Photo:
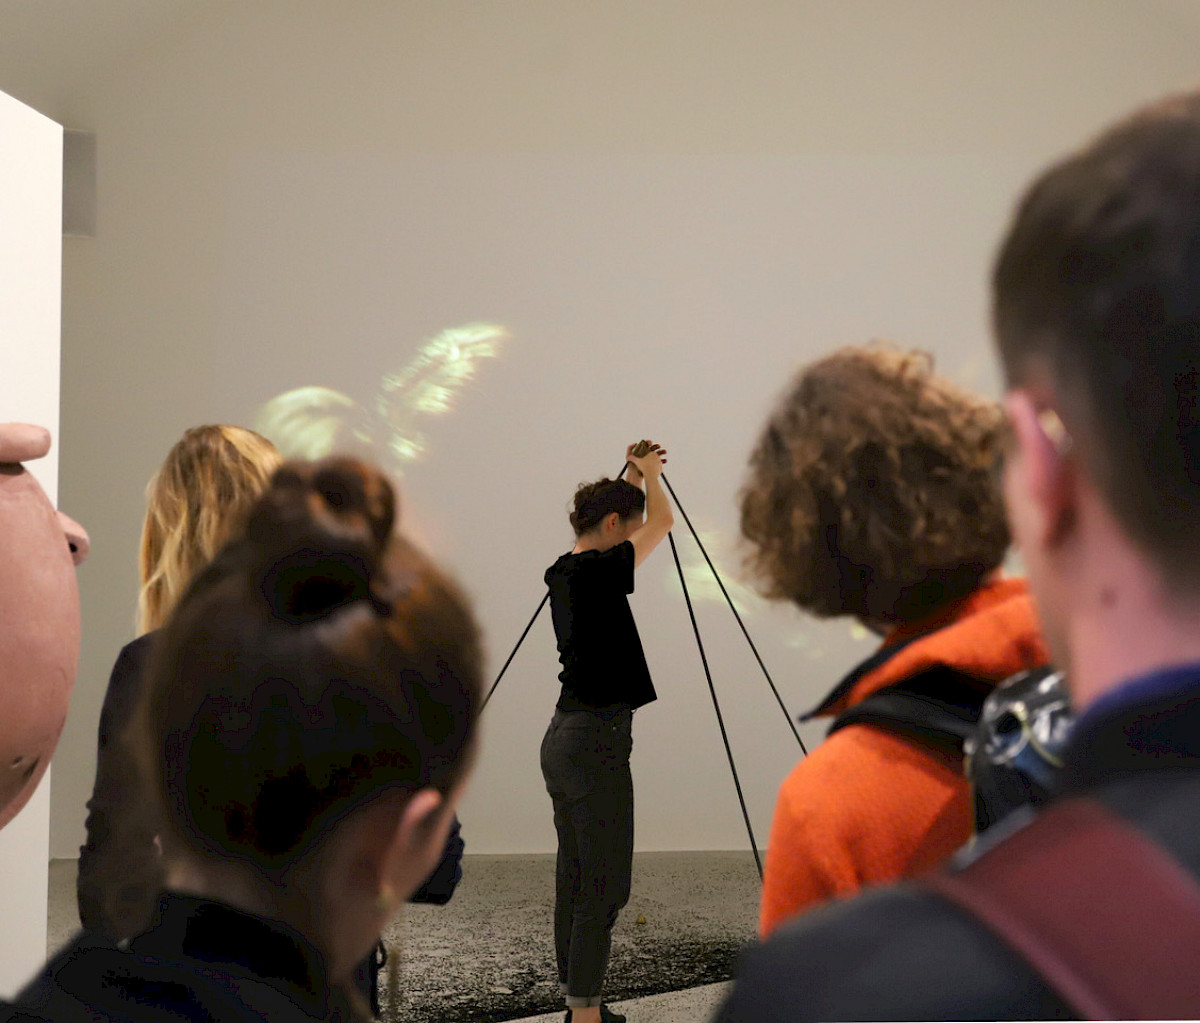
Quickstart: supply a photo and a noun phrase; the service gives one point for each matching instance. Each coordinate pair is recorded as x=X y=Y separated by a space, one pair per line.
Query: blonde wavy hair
x=206 y=486
x=874 y=489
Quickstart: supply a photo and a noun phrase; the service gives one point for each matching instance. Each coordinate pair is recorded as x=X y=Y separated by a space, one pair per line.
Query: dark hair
x=873 y=489
x=1097 y=297
x=595 y=501
x=317 y=663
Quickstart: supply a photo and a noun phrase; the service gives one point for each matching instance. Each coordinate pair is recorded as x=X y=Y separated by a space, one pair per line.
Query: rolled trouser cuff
x=582 y=1001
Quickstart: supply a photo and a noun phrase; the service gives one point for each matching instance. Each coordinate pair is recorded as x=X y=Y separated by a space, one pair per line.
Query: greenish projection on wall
x=312 y=422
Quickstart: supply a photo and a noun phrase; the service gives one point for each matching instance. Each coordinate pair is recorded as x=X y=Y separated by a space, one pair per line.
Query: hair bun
x=319 y=531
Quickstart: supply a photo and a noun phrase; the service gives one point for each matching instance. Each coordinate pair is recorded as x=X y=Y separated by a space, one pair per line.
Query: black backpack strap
x=940 y=708
x=1105 y=915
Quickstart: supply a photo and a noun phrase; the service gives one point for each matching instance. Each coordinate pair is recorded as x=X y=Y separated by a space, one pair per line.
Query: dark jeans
x=585 y=761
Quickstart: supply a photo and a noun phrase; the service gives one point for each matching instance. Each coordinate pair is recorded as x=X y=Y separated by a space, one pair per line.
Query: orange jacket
x=869 y=806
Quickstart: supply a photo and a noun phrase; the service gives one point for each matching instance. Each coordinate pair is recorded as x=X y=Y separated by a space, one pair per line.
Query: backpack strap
x=1105 y=915
x=940 y=707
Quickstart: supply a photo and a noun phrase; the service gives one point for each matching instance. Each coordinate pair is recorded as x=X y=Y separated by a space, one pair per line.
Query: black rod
x=515 y=649
x=716 y=706
x=729 y=600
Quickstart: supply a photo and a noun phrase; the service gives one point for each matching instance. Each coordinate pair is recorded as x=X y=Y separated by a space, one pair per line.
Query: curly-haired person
x=874 y=492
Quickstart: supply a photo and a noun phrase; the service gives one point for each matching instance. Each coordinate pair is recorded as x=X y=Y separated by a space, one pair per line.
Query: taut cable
x=514 y=653
x=703 y=657
x=716 y=706
x=733 y=608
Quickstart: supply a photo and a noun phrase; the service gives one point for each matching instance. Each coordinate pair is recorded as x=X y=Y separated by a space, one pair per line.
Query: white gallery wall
x=668 y=207
x=30 y=273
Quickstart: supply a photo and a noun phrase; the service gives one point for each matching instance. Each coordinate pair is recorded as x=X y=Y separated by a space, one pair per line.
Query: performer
x=585 y=753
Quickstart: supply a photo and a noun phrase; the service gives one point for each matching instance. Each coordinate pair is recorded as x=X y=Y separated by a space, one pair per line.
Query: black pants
x=585 y=761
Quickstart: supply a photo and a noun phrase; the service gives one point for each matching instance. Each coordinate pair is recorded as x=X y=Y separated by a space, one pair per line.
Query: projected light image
x=702 y=586
x=701 y=583
x=311 y=422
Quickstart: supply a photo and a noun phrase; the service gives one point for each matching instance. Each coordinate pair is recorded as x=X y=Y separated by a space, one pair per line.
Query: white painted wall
x=30 y=275
x=669 y=204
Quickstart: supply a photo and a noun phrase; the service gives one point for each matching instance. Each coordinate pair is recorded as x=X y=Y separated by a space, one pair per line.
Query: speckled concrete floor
x=691 y=1005
x=488 y=955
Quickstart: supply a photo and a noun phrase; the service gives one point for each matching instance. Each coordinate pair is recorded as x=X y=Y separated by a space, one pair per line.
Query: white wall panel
x=30 y=276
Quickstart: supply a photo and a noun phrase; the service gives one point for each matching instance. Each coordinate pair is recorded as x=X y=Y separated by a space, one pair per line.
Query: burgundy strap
x=1105 y=915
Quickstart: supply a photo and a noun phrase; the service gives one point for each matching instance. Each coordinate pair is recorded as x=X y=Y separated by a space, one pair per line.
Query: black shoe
x=606 y=1016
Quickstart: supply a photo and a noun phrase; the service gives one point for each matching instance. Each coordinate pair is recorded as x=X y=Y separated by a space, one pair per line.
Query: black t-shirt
x=598 y=643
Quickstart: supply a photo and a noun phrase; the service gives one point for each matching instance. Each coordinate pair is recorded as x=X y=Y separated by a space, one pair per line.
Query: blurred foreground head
x=39 y=612
x=873 y=490
x=314 y=682
x=1097 y=319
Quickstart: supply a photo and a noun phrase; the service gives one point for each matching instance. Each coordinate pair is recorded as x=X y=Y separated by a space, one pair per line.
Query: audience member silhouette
x=307 y=720
x=202 y=492
x=873 y=492
x=1089 y=908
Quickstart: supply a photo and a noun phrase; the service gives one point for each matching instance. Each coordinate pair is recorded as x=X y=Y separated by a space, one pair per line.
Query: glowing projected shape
x=700 y=581
x=312 y=422
x=703 y=586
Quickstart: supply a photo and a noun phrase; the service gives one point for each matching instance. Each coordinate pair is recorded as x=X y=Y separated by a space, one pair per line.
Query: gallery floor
x=488 y=956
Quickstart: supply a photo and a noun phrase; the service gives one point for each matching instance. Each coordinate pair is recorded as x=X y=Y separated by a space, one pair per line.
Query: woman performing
x=585 y=754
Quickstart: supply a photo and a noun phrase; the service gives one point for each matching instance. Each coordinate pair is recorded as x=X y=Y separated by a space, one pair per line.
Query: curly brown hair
x=873 y=490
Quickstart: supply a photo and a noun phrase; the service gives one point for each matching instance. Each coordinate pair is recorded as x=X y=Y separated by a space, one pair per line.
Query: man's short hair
x=873 y=490
x=1097 y=298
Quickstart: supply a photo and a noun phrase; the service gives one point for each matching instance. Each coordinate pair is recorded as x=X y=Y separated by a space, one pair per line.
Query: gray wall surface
x=669 y=206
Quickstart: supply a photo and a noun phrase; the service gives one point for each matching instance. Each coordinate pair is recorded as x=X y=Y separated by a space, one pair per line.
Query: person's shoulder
x=124 y=682
x=861 y=765
x=893 y=953
x=586 y=562
x=134 y=654
x=619 y=558
x=63 y=988
x=92 y=979
x=561 y=567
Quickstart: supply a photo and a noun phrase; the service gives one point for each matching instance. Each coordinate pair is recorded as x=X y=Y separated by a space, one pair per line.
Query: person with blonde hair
x=204 y=488
x=874 y=493
x=209 y=480
x=306 y=724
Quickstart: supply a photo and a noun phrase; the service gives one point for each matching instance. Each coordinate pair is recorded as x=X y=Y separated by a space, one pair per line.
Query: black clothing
x=585 y=761
x=436 y=890
x=439 y=886
x=200 y=960
x=585 y=758
x=905 y=953
x=598 y=643
x=120 y=871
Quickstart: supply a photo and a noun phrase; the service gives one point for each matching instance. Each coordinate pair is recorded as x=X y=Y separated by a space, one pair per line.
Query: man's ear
x=1046 y=471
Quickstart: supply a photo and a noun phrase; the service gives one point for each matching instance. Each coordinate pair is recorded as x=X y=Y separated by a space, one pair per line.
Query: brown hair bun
x=320 y=530
x=318 y=662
